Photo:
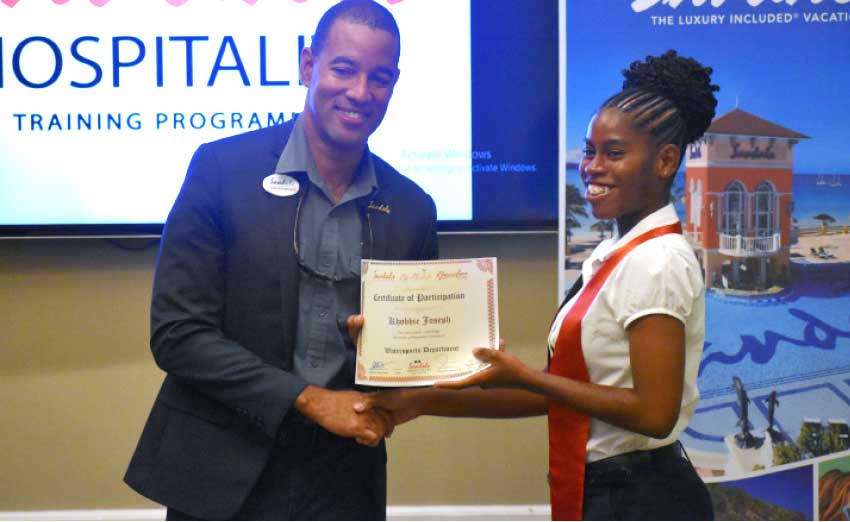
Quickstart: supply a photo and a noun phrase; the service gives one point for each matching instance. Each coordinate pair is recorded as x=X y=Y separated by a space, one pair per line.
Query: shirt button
x=323 y=314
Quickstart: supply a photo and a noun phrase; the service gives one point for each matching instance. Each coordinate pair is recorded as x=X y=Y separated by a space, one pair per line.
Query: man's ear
x=305 y=65
x=666 y=161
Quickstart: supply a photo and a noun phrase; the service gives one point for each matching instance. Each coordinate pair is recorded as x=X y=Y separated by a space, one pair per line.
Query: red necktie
x=568 y=428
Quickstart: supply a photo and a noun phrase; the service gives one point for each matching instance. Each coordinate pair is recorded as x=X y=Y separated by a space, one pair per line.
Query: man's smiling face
x=350 y=83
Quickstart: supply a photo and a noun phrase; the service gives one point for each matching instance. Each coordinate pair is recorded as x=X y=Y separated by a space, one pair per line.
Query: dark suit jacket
x=223 y=319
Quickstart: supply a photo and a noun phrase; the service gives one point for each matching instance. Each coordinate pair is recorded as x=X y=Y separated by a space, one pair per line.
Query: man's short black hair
x=365 y=12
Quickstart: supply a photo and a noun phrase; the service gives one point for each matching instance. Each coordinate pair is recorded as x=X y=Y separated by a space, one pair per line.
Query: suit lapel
x=281 y=212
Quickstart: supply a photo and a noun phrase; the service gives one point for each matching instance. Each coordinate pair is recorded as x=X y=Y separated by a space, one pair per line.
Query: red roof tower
x=738 y=182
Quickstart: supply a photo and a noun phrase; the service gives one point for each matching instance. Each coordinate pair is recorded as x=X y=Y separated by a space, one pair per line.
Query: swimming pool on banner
x=795 y=342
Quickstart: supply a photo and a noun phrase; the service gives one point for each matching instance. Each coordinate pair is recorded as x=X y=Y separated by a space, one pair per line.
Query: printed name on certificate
x=424 y=318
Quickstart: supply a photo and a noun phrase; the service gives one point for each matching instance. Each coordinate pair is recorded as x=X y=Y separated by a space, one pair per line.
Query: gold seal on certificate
x=423 y=318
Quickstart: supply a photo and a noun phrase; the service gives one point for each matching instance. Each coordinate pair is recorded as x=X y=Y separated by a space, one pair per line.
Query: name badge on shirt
x=280 y=185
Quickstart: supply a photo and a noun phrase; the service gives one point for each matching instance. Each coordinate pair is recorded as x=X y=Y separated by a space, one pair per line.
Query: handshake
x=366 y=417
x=369 y=417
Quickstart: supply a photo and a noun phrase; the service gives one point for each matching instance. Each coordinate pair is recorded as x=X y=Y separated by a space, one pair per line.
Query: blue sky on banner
x=789 y=64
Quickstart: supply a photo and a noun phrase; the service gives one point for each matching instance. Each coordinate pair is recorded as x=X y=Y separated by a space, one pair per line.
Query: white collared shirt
x=660 y=276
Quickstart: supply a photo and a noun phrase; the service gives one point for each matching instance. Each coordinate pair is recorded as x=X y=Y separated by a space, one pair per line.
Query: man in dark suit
x=258 y=273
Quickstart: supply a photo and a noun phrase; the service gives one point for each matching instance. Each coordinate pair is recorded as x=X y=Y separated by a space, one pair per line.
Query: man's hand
x=399 y=405
x=334 y=411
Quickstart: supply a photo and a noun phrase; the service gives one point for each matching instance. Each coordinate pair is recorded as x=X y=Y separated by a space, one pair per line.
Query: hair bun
x=683 y=81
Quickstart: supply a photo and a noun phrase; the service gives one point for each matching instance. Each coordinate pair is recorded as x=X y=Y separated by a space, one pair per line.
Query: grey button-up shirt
x=330 y=244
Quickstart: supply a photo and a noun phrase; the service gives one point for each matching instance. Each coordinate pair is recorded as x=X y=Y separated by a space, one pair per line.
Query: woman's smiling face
x=621 y=171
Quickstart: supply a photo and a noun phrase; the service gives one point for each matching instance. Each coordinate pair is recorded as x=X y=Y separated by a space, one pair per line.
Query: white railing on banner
x=746 y=246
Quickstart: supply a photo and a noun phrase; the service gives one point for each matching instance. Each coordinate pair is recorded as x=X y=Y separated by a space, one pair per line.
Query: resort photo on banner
x=764 y=199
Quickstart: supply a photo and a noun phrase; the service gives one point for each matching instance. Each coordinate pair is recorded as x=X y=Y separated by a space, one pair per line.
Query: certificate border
x=485 y=264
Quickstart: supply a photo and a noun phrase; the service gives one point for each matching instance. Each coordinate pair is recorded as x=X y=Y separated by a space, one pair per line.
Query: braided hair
x=669 y=96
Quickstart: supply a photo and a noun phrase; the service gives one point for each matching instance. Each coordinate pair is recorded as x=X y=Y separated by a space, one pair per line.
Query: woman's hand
x=505 y=371
x=355 y=326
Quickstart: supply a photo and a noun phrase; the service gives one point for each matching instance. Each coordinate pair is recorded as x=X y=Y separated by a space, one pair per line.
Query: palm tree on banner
x=606 y=225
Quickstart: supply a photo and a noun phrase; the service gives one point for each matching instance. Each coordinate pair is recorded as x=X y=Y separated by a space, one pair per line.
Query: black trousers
x=315 y=475
x=658 y=484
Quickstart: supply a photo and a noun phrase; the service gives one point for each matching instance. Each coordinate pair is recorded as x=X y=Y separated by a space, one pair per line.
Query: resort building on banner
x=738 y=200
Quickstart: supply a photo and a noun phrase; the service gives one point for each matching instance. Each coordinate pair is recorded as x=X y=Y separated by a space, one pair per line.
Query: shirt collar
x=663 y=216
x=296 y=157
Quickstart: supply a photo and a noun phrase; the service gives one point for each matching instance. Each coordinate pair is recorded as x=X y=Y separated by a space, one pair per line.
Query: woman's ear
x=666 y=161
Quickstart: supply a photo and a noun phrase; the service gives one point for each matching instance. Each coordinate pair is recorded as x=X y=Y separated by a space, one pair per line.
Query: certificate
x=423 y=319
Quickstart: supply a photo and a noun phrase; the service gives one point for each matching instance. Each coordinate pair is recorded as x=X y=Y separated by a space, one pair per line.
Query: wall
x=77 y=380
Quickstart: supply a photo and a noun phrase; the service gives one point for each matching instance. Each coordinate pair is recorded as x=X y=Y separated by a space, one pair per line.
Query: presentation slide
x=104 y=102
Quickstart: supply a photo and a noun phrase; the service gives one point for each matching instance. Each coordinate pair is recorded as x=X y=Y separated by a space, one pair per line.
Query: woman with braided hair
x=625 y=347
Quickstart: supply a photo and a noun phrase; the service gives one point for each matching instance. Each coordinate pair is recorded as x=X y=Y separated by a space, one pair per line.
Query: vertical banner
x=764 y=198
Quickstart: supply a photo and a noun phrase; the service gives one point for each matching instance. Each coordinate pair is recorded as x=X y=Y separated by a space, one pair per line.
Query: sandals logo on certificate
x=423 y=319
